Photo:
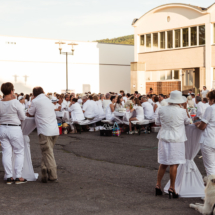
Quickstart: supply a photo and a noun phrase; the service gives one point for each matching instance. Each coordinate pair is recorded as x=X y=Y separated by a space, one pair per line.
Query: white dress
x=171 y=147
x=139 y=112
x=108 y=114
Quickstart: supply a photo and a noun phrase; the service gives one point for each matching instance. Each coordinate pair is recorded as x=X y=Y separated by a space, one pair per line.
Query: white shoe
x=136 y=132
x=131 y=132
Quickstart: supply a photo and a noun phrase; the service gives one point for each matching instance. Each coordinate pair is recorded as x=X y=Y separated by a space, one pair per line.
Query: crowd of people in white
x=170 y=112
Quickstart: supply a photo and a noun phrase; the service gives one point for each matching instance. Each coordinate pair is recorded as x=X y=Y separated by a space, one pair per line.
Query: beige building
x=174 y=49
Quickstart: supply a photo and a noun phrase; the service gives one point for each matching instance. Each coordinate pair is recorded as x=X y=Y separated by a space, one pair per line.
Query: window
x=188 y=78
x=177 y=38
x=202 y=35
x=169 y=39
x=162 y=40
x=185 y=37
x=176 y=74
x=155 y=41
x=142 y=41
x=193 y=35
x=148 y=40
x=169 y=75
x=162 y=75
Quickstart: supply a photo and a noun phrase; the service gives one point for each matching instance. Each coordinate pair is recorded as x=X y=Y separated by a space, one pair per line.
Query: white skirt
x=171 y=153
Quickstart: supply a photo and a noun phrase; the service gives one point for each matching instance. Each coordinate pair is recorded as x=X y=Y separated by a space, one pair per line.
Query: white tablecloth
x=189 y=182
x=28 y=125
x=125 y=116
x=64 y=114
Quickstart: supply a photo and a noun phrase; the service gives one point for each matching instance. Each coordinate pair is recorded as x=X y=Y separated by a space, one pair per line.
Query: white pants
x=208 y=155
x=11 y=139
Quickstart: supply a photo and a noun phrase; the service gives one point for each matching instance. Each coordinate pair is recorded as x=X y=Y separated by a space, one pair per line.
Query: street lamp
x=66 y=53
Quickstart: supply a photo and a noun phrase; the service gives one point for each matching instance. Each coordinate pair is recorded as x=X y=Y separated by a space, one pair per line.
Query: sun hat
x=176 y=97
x=20 y=98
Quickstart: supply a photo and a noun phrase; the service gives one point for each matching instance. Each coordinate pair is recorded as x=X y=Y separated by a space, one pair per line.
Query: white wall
x=40 y=61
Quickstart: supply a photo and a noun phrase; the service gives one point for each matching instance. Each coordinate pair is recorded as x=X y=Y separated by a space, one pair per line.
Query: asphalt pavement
x=98 y=176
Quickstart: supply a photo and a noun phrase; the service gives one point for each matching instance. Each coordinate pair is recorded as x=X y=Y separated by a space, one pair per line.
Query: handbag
x=116 y=130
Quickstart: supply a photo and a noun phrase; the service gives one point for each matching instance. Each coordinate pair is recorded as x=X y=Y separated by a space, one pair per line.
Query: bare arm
x=112 y=107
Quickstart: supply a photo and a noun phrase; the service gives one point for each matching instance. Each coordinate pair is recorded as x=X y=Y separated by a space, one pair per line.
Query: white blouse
x=11 y=112
x=172 y=119
x=76 y=112
x=208 y=136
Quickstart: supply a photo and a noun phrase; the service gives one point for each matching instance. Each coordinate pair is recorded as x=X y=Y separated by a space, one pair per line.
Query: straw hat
x=176 y=97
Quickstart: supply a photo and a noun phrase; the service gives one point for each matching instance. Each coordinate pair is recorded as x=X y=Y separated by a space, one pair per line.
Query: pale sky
x=83 y=20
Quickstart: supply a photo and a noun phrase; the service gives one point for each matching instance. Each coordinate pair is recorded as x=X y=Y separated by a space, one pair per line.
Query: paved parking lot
x=98 y=175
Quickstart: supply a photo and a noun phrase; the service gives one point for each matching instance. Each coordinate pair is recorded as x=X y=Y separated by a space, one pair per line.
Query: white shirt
x=125 y=98
x=100 y=109
x=208 y=135
x=148 y=110
x=204 y=93
x=45 y=117
x=150 y=101
x=11 y=112
x=27 y=104
x=66 y=104
x=76 y=112
x=56 y=106
x=172 y=119
x=80 y=101
x=194 y=100
x=201 y=107
x=105 y=103
x=89 y=108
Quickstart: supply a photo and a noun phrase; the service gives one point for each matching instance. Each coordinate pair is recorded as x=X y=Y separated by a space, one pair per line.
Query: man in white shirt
x=204 y=92
x=88 y=108
x=150 y=100
x=66 y=101
x=148 y=108
x=47 y=129
x=106 y=101
x=205 y=102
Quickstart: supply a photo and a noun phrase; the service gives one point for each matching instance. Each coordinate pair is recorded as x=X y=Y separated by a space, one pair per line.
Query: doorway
x=190 y=80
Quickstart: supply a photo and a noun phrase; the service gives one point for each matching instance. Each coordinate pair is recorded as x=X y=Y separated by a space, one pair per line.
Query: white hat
x=20 y=98
x=176 y=97
x=185 y=99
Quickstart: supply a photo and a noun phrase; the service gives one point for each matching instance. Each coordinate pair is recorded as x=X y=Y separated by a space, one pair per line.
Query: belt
x=10 y=125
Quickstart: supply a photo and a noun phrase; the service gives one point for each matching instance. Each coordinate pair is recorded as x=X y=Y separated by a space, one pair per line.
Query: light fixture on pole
x=66 y=53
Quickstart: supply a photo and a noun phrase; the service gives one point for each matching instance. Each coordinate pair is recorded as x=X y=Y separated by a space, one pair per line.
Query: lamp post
x=66 y=53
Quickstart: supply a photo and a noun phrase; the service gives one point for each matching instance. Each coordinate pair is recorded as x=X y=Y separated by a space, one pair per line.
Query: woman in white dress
x=11 y=137
x=76 y=111
x=119 y=103
x=156 y=103
x=207 y=142
x=110 y=109
x=172 y=137
x=139 y=114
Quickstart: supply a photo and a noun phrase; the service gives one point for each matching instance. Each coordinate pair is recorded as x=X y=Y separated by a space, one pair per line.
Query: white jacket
x=172 y=119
